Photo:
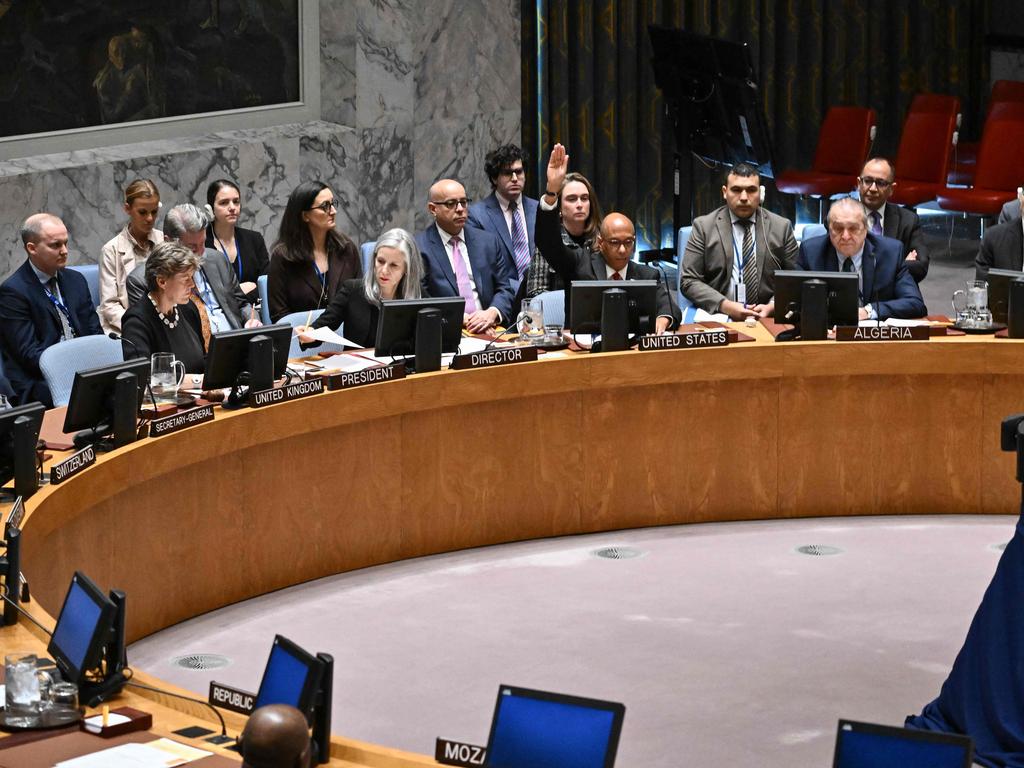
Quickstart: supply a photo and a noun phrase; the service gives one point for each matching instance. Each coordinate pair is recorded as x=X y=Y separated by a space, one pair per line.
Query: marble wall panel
x=338 y=43
x=385 y=64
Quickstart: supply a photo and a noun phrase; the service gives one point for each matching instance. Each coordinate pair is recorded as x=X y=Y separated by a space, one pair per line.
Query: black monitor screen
x=588 y=298
x=999 y=292
x=865 y=745
x=538 y=729
x=843 y=295
x=92 y=393
x=291 y=677
x=82 y=628
x=396 y=331
x=229 y=353
x=34 y=412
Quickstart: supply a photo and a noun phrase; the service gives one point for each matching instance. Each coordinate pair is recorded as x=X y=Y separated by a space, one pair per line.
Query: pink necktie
x=462 y=277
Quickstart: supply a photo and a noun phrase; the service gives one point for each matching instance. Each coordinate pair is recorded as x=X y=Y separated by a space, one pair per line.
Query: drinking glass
x=27 y=690
x=531 y=321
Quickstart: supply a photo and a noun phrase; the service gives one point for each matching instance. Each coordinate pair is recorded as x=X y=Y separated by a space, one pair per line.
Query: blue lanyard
x=319 y=274
x=238 y=257
x=57 y=303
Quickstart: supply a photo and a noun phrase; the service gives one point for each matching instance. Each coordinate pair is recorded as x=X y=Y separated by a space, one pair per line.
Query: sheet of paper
x=446 y=359
x=162 y=753
x=94 y=724
x=469 y=344
x=329 y=336
x=700 y=316
x=897 y=322
x=347 y=363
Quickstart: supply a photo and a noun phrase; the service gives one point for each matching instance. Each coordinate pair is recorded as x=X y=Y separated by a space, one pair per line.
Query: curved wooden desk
x=260 y=500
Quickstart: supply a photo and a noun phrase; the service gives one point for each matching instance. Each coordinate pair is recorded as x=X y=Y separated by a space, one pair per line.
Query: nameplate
x=456 y=753
x=297 y=391
x=366 y=376
x=491 y=357
x=716 y=338
x=231 y=699
x=179 y=421
x=883 y=333
x=72 y=465
x=16 y=514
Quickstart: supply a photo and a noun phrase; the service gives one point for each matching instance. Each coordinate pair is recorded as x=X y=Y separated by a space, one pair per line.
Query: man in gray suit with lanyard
x=733 y=252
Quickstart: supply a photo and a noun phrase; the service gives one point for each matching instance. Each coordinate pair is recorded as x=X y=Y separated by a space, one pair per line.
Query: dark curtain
x=588 y=83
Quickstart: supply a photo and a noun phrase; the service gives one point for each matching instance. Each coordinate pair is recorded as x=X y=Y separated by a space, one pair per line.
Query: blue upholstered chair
x=60 y=362
x=261 y=286
x=366 y=254
x=813 y=230
x=91 y=273
x=554 y=307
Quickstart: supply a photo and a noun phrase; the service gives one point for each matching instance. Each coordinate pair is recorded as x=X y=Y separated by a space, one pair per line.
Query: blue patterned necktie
x=519 y=243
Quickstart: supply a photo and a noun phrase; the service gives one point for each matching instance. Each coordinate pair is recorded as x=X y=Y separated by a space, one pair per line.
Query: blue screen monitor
x=83 y=627
x=538 y=729
x=292 y=676
x=866 y=745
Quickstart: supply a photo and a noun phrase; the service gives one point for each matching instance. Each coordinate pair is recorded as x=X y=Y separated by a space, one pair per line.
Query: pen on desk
x=106 y=715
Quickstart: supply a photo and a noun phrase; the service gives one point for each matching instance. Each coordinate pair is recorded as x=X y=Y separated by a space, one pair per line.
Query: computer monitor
x=999 y=292
x=92 y=395
x=229 y=353
x=540 y=729
x=396 y=330
x=588 y=299
x=843 y=295
x=292 y=676
x=18 y=447
x=84 y=626
x=866 y=745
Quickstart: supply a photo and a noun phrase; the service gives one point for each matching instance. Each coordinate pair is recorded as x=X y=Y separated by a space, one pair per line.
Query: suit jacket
x=487 y=215
x=1009 y=212
x=493 y=272
x=887 y=283
x=351 y=307
x=1001 y=248
x=706 y=272
x=223 y=282
x=252 y=252
x=293 y=286
x=904 y=225
x=117 y=259
x=145 y=333
x=29 y=323
x=574 y=263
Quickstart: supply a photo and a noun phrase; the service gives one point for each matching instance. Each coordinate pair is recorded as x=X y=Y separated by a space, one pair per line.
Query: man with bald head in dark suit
x=1001 y=248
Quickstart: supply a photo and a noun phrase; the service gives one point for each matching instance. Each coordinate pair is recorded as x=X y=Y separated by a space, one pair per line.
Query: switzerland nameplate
x=312 y=386
x=179 y=421
x=375 y=375
x=883 y=333
x=489 y=357
x=72 y=465
x=716 y=338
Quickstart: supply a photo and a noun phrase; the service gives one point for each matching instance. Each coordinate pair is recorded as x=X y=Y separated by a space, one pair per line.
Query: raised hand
x=558 y=166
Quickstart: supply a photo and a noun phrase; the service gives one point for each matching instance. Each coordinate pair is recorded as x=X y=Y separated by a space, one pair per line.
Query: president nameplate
x=375 y=375
x=296 y=391
x=72 y=465
x=719 y=337
x=491 y=357
x=883 y=333
x=180 y=421
x=231 y=699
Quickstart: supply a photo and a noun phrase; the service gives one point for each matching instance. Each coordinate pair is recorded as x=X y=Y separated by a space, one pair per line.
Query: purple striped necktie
x=519 y=242
x=462 y=276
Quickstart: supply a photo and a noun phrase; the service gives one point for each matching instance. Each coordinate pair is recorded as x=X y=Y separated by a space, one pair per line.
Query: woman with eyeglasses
x=311 y=259
x=244 y=249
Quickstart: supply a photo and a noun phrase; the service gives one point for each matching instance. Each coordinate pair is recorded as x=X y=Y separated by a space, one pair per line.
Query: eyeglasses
x=628 y=243
x=512 y=172
x=867 y=181
x=453 y=204
x=325 y=206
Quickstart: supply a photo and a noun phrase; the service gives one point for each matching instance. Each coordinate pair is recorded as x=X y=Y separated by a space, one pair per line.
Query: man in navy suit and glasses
x=41 y=304
x=464 y=261
x=887 y=289
x=507 y=212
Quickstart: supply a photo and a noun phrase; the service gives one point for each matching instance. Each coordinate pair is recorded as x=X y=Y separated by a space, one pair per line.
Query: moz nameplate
x=883 y=333
x=491 y=357
x=716 y=338
x=297 y=391
x=231 y=699
x=180 y=421
x=72 y=465
x=457 y=753
x=366 y=376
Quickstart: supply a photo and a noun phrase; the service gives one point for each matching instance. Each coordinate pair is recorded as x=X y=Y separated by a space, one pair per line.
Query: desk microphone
x=515 y=326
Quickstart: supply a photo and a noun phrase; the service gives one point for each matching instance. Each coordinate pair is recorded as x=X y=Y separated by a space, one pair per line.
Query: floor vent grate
x=819 y=550
x=618 y=553
x=201 y=661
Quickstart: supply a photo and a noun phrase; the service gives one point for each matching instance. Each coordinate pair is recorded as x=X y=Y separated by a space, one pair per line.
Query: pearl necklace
x=168 y=323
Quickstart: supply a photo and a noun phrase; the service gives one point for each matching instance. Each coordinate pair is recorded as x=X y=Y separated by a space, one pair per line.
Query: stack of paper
x=162 y=753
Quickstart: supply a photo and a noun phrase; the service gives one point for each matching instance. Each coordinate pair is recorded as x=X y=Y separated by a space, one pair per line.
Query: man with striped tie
x=507 y=212
x=876 y=183
x=733 y=252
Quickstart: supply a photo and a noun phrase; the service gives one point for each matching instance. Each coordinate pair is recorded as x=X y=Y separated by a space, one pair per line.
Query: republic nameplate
x=715 y=338
x=489 y=357
x=232 y=699
x=312 y=386
x=72 y=465
x=883 y=333
x=366 y=376
x=179 y=421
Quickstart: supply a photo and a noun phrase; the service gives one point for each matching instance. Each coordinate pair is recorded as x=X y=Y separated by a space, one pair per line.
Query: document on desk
x=347 y=363
x=894 y=322
x=329 y=336
x=162 y=753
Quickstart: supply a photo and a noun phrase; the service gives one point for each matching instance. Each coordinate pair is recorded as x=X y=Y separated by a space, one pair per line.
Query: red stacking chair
x=962 y=171
x=843 y=145
x=1000 y=165
x=922 y=160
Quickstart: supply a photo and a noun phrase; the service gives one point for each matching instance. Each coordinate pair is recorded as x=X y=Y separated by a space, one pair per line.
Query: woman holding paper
x=396 y=272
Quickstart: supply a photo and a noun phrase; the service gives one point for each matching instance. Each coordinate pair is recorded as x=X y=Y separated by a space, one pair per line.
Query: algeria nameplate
x=883 y=333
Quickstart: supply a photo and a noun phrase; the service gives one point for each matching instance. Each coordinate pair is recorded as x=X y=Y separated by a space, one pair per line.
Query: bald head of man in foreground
x=276 y=736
